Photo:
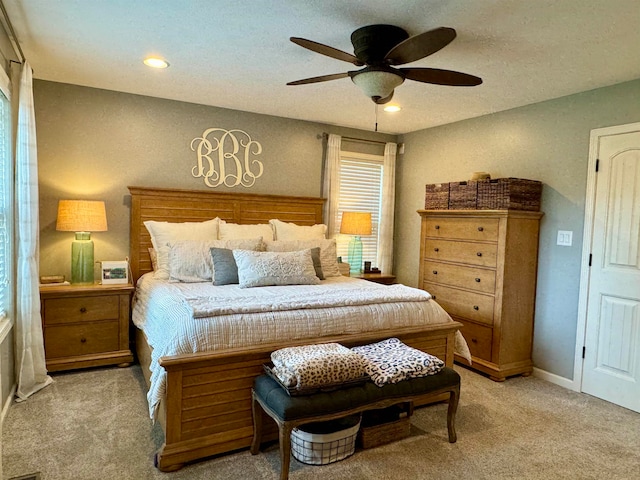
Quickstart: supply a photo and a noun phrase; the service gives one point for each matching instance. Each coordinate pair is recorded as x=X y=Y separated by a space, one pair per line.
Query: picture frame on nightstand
x=115 y=272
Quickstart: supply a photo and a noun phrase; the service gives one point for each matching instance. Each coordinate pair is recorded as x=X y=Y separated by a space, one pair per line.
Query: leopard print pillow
x=317 y=365
x=391 y=361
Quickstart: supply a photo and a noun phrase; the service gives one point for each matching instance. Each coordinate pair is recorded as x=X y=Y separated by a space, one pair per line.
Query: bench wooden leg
x=256 y=411
x=284 y=431
x=454 y=397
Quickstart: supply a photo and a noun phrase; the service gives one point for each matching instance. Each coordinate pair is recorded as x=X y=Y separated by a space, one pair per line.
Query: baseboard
x=5 y=407
x=556 y=379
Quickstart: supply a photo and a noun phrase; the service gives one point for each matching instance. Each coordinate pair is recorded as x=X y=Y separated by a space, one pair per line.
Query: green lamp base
x=354 y=256
x=82 y=259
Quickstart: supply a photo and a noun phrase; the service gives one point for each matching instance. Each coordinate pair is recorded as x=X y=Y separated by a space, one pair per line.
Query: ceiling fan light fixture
x=377 y=84
x=155 y=62
x=392 y=108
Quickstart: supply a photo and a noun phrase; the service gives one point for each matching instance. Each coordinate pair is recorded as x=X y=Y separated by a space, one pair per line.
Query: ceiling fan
x=380 y=47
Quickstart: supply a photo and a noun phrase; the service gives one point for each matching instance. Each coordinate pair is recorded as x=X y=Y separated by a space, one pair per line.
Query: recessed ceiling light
x=392 y=108
x=156 y=62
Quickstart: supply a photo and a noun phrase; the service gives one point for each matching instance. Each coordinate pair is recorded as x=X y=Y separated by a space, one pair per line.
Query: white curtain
x=31 y=368
x=385 y=229
x=331 y=187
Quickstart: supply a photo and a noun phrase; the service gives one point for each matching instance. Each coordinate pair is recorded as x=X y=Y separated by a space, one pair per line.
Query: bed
x=204 y=401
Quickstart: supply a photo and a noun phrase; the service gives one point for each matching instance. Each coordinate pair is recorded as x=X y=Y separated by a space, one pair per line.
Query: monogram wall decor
x=227 y=157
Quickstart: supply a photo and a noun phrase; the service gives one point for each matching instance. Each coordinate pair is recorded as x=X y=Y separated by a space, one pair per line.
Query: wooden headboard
x=174 y=205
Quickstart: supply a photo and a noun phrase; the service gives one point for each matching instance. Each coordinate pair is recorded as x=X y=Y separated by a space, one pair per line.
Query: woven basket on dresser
x=509 y=194
x=436 y=196
x=463 y=195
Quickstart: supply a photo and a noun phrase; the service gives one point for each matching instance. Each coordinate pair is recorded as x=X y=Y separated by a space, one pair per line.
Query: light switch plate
x=565 y=238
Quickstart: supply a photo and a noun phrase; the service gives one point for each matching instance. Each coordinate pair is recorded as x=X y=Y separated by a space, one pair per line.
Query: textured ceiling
x=237 y=54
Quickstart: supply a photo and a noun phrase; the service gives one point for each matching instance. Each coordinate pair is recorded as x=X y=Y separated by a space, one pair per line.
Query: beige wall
x=548 y=141
x=93 y=143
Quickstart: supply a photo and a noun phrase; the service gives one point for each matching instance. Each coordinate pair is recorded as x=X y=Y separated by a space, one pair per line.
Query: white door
x=611 y=368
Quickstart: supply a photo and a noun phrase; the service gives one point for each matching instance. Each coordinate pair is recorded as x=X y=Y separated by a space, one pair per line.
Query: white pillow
x=235 y=230
x=259 y=269
x=165 y=233
x=190 y=260
x=291 y=231
x=328 y=252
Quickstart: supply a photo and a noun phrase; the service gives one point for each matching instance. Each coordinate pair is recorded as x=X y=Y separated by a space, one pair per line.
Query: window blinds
x=360 y=191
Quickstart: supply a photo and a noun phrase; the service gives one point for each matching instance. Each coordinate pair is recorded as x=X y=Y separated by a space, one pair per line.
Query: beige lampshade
x=356 y=223
x=81 y=216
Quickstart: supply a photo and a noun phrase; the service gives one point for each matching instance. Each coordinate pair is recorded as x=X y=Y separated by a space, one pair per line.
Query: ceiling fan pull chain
x=376 y=110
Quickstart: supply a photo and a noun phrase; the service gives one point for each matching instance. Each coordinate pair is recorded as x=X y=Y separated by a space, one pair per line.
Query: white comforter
x=180 y=318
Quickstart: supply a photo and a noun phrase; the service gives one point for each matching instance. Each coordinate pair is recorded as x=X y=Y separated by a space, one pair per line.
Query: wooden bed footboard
x=207 y=408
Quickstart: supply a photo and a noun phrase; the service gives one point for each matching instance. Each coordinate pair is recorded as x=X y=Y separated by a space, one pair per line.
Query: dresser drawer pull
x=433 y=296
x=83 y=340
x=437 y=227
x=476 y=307
x=435 y=272
x=436 y=249
x=83 y=310
x=474 y=340
x=480 y=229
x=478 y=280
x=479 y=254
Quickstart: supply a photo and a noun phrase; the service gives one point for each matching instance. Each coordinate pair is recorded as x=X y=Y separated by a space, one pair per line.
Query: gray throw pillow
x=315 y=256
x=224 y=266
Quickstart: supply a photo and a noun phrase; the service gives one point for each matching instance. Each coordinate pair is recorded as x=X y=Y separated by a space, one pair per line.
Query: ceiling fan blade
x=326 y=50
x=441 y=77
x=420 y=46
x=322 y=78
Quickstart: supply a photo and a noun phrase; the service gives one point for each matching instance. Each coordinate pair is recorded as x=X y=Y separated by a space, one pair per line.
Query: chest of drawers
x=86 y=326
x=481 y=267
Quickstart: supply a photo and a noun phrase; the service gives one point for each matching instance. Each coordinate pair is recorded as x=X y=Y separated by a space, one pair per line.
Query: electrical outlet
x=565 y=238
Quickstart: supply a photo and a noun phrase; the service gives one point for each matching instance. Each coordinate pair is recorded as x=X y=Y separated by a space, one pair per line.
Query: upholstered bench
x=292 y=411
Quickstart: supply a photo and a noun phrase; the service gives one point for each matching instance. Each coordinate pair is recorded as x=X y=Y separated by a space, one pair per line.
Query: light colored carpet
x=92 y=425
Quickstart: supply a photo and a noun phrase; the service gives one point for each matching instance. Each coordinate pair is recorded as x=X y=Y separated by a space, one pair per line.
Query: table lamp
x=356 y=224
x=81 y=217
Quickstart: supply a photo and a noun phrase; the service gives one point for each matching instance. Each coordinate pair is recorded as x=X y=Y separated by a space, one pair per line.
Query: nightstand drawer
x=483 y=254
x=479 y=279
x=74 y=340
x=478 y=338
x=461 y=303
x=463 y=228
x=81 y=309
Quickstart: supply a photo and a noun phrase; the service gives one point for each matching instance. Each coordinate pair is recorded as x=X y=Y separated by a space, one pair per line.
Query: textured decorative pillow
x=259 y=269
x=235 y=231
x=190 y=260
x=391 y=361
x=317 y=365
x=165 y=233
x=226 y=269
x=291 y=231
x=328 y=252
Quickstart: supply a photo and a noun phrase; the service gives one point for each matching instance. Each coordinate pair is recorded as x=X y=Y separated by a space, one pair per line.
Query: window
x=6 y=203
x=360 y=191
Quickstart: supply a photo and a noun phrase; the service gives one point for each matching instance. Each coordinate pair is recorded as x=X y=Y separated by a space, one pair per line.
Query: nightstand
x=86 y=325
x=383 y=278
